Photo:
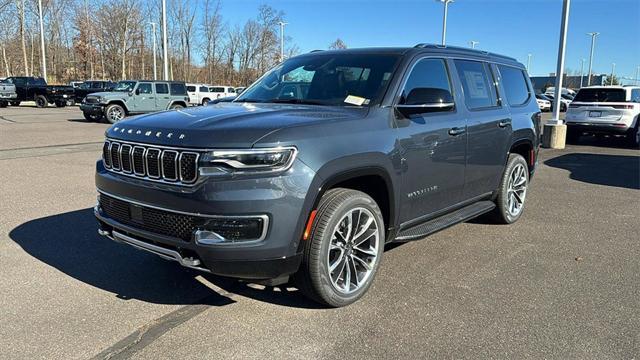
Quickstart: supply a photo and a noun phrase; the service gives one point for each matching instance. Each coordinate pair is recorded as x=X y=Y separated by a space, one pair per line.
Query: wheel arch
x=177 y=102
x=118 y=102
x=526 y=149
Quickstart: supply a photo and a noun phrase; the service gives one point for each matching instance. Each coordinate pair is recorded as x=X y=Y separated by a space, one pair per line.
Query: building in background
x=541 y=83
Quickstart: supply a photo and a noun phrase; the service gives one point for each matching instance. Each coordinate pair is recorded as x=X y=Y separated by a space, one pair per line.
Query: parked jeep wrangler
x=132 y=97
x=384 y=145
x=29 y=88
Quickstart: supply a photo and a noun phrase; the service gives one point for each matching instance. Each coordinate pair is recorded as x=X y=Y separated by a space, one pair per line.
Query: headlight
x=248 y=161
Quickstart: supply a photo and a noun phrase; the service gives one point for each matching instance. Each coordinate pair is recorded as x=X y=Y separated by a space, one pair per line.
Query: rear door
x=432 y=144
x=162 y=96
x=488 y=127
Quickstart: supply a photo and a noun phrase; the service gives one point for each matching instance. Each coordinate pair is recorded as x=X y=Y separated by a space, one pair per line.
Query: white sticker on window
x=356 y=100
x=476 y=84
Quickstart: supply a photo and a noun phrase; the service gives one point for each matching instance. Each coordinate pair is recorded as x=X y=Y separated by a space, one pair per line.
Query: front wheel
x=634 y=136
x=114 y=113
x=3 y=104
x=344 y=249
x=512 y=192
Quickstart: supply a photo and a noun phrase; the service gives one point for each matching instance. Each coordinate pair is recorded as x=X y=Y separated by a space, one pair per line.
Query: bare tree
x=338 y=44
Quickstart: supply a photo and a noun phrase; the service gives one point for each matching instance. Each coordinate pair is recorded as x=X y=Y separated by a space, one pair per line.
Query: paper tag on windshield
x=355 y=100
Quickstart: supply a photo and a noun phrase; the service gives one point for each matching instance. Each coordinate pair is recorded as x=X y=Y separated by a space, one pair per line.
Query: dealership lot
x=563 y=282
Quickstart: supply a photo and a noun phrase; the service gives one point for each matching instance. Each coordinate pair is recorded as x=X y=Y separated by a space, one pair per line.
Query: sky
x=510 y=27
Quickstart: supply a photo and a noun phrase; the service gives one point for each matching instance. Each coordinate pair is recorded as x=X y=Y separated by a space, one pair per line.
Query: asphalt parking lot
x=563 y=282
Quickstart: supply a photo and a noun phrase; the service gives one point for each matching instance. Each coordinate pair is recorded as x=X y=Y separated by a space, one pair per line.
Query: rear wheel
x=41 y=101
x=114 y=113
x=205 y=102
x=61 y=103
x=512 y=192
x=342 y=255
x=573 y=136
x=176 y=107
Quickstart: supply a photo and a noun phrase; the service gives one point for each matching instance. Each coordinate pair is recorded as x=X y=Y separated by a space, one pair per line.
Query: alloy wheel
x=353 y=250
x=516 y=190
x=115 y=114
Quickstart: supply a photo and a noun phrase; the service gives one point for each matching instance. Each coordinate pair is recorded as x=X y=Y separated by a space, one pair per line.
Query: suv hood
x=224 y=125
x=112 y=94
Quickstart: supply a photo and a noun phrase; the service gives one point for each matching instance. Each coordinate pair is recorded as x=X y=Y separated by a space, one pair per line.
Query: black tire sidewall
x=321 y=237
x=41 y=101
x=501 y=200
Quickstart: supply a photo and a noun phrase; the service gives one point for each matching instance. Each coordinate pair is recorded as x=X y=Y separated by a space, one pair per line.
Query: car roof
x=157 y=81
x=427 y=49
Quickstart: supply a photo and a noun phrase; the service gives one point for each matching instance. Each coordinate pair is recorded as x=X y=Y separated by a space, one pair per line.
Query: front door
x=145 y=100
x=432 y=143
x=488 y=127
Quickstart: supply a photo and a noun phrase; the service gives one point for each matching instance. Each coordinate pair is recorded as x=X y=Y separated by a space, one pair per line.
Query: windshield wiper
x=248 y=100
x=295 y=101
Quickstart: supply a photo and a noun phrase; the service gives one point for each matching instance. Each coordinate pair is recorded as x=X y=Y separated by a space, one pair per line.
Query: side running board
x=419 y=231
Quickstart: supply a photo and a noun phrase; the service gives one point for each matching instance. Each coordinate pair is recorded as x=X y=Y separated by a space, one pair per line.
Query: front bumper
x=91 y=109
x=604 y=128
x=281 y=198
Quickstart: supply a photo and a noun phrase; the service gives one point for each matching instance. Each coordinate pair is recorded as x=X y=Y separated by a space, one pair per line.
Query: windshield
x=601 y=95
x=325 y=79
x=125 y=86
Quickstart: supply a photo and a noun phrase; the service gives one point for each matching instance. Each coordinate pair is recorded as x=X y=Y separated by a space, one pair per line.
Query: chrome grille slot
x=169 y=165
x=106 y=155
x=115 y=156
x=137 y=157
x=151 y=162
x=125 y=158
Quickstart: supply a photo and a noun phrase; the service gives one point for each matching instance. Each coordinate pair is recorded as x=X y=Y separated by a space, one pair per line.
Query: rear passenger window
x=479 y=89
x=162 y=89
x=178 y=89
x=429 y=80
x=515 y=85
x=204 y=89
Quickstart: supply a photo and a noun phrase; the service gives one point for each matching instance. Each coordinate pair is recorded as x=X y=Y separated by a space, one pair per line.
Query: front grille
x=91 y=100
x=151 y=162
x=149 y=219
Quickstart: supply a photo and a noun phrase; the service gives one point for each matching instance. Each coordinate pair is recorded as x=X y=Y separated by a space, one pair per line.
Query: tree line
x=113 y=40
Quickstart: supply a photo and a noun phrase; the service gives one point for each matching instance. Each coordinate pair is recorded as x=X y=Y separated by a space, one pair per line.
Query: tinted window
x=191 y=88
x=217 y=89
x=479 y=90
x=600 y=95
x=231 y=90
x=162 y=89
x=145 y=88
x=204 y=89
x=19 y=81
x=428 y=74
x=178 y=89
x=515 y=85
x=635 y=95
x=36 y=81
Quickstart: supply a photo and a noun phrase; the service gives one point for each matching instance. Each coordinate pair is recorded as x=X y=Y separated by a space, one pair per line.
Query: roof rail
x=316 y=50
x=462 y=49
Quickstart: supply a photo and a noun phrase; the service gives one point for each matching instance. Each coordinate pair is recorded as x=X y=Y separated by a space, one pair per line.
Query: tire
x=205 y=102
x=114 y=113
x=41 y=101
x=633 y=136
x=176 y=107
x=573 y=136
x=92 y=117
x=3 y=104
x=326 y=242
x=516 y=168
x=60 y=103
x=15 y=103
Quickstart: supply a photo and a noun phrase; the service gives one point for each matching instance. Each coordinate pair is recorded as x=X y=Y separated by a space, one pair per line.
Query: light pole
x=528 y=61
x=44 y=57
x=155 y=69
x=473 y=43
x=637 y=73
x=613 y=70
x=282 y=24
x=581 y=71
x=593 y=45
x=444 y=20
x=164 y=40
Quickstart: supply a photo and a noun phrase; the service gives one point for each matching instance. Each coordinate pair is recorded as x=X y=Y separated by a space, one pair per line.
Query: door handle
x=150 y=97
x=457 y=131
x=504 y=123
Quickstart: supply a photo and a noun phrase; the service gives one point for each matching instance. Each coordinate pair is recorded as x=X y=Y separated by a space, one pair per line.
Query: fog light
x=232 y=230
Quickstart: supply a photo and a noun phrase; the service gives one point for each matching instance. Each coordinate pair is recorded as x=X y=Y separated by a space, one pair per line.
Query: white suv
x=199 y=94
x=605 y=109
x=222 y=91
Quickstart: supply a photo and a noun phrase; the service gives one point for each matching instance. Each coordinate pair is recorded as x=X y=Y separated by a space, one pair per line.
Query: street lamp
x=593 y=44
x=444 y=20
x=637 y=73
x=164 y=40
x=528 y=61
x=581 y=71
x=155 y=70
x=613 y=70
x=282 y=24
x=44 y=57
x=473 y=43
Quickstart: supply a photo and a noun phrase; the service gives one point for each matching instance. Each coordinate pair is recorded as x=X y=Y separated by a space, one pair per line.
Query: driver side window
x=428 y=84
x=145 y=88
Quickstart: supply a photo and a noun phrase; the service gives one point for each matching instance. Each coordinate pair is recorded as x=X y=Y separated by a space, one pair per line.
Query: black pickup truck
x=36 y=89
x=92 y=86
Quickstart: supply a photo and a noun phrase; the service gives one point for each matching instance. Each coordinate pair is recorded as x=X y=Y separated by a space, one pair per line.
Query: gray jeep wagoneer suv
x=321 y=162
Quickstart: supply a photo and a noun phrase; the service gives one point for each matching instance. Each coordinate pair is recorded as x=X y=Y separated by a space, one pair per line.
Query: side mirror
x=137 y=91
x=424 y=100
